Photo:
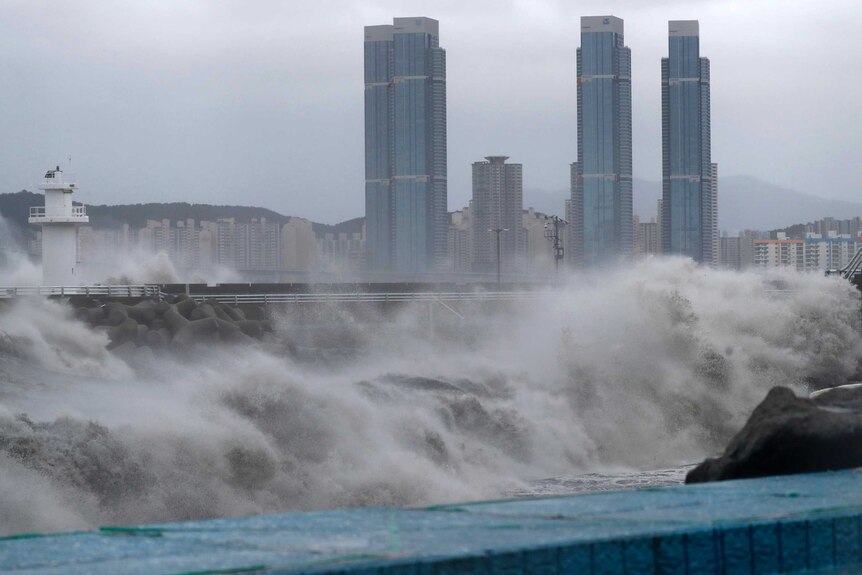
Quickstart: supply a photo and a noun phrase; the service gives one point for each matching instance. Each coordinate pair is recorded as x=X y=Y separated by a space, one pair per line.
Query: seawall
x=787 y=524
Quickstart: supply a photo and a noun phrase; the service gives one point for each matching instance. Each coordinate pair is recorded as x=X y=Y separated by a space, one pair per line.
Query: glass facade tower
x=689 y=202
x=405 y=146
x=601 y=206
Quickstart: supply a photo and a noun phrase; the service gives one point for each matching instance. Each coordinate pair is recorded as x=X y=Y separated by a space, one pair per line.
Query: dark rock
x=787 y=434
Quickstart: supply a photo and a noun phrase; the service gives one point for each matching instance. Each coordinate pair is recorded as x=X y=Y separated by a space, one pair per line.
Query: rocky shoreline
x=787 y=434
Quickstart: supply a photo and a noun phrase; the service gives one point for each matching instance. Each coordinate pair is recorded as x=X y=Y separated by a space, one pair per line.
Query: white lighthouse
x=59 y=220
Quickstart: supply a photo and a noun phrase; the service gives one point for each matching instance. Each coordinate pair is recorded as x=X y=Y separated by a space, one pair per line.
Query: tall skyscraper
x=405 y=146
x=689 y=207
x=602 y=176
x=498 y=204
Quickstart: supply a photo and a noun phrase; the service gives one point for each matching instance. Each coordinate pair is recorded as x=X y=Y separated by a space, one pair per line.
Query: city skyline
x=205 y=116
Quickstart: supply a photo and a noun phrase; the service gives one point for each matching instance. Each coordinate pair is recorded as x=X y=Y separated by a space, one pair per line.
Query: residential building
x=460 y=240
x=539 y=249
x=298 y=245
x=601 y=232
x=737 y=252
x=832 y=251
x=716 y=255
x=780 y=252
x=341 y=253
x=498 y=203
x=405 y=146
x=647 y=240
x=688 y=194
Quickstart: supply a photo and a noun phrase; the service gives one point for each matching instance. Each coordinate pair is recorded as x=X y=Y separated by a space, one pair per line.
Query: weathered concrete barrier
x=788 y=524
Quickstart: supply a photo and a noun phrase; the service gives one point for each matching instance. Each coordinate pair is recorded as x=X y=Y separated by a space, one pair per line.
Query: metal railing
x=57 y=212
x=135 y=291
x=377 y=297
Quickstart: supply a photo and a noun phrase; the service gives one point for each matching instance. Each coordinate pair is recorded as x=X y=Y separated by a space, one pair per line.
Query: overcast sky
x=260 y=102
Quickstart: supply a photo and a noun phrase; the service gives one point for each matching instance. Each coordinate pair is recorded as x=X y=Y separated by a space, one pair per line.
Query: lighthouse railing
x=41 y=212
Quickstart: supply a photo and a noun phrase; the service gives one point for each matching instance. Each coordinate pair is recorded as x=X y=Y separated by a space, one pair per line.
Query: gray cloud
x=261 y=102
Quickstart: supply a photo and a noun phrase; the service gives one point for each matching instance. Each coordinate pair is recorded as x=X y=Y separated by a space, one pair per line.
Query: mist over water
x=649 y=367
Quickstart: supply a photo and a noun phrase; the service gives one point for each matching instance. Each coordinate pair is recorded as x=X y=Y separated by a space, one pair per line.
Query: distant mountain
x=744 y=202
x=553 y=202
x=15 y=208
x=136 y=215
x=353 y=226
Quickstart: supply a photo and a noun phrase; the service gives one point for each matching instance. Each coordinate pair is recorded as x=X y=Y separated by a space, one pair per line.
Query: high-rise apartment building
x=601 y=211
x=405 y=146
x=689 y=206
x=461 y=240
x=498 y=203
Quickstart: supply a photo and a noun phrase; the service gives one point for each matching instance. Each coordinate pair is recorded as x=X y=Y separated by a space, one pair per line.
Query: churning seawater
x=585 y=388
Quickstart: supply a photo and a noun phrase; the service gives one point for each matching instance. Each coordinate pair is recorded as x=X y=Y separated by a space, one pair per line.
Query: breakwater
x=176 y=320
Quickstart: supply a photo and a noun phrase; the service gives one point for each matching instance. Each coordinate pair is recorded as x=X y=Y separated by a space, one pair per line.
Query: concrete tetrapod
x=178 y=320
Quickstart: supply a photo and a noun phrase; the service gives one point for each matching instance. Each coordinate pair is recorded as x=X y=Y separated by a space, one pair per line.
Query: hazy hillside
x=744 y=202
x=15 y=209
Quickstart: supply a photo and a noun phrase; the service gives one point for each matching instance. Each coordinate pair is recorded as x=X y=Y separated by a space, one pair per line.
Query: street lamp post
x=553 y=235
x=498 y=231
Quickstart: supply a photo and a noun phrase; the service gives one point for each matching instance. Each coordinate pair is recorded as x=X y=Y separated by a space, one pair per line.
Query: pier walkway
x=788 y=524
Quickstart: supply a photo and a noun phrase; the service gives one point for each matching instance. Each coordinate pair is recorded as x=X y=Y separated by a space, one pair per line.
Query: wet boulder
x=787 y=434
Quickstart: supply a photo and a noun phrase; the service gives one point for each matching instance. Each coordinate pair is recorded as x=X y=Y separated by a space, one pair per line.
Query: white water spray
x=641 y=368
